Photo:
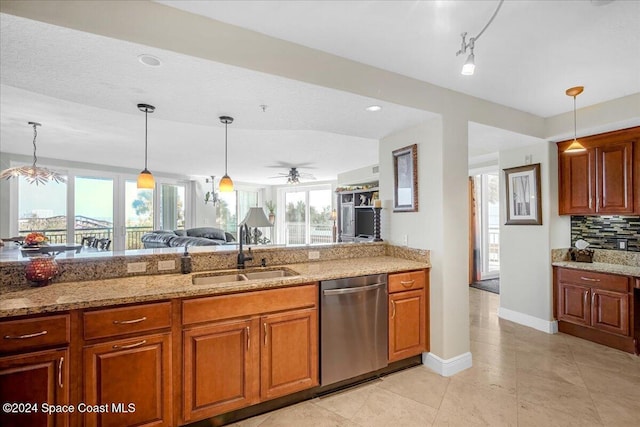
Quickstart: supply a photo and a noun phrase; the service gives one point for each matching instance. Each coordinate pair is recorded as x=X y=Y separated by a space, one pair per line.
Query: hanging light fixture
x=469 y=65
x=226 y=184
x=33 y=174
x=145 y=179
x=575 y=146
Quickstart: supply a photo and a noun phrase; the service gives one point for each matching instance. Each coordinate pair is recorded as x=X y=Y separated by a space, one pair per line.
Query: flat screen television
x=364 y=222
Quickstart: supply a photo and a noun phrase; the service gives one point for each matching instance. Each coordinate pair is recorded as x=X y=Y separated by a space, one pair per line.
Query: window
x=233 y=208
x=43 y=208
x=307 y=216
x=104 y=206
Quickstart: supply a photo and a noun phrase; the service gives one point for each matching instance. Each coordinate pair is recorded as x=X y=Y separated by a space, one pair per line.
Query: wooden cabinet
x=604 y=179
x=220 y=368
x=34 y=369
x=595 y=306
x=35 y=378
x=289 y=354
x=242 y=349
x=128 y=376
x=355 y=214
x=408 y=308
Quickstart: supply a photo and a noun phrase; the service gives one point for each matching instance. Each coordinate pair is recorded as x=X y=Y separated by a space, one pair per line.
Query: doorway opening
x=485 y=230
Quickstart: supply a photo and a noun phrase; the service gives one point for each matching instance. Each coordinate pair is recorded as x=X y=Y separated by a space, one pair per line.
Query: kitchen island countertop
x=108 y=292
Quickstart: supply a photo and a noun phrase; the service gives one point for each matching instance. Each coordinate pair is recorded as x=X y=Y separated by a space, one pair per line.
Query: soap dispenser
x=185 y=261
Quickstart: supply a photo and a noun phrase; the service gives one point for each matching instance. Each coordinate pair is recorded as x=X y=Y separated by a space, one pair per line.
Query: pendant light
x=575 y=146
x=33 y=174
x=145 y=179
x=226 y=184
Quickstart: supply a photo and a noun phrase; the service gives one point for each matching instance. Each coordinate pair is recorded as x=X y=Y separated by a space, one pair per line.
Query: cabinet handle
x=129 y=322
x=265 y=333
x=24 y=337
x=60 y=371
x=248 y=338
x=137 y=344
x=589 y=279
x=393 y=309
x=593 y=299
x=586 y=295
x=407 y=283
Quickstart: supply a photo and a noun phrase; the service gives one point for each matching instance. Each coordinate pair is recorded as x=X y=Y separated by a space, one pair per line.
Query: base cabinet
x=408 y=319
x=595 y=306
x=33 y=379
x=289 y=355
x=128 y=381
x=220 y=368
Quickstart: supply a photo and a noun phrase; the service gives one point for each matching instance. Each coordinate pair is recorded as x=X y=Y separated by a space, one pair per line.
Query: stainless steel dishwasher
x=353 y=327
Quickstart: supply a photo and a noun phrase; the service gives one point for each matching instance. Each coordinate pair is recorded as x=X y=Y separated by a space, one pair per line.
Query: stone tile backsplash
x=604 y=232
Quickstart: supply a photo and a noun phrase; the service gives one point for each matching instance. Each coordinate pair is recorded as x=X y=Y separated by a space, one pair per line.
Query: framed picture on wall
x=405 y=179
x=524 y=203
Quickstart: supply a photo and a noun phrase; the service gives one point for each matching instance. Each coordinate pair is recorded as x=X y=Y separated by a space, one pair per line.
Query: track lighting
x=469 y=66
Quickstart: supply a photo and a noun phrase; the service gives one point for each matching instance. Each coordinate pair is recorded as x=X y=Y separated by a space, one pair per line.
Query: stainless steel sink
x=241 y=276
x=220 y=278
x=270 y=274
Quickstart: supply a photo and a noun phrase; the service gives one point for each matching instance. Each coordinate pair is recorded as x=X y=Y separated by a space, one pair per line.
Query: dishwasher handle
x=352 y=290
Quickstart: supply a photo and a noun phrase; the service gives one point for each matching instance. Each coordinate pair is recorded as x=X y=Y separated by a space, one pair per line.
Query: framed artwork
x=405 y=179
x=524 y=203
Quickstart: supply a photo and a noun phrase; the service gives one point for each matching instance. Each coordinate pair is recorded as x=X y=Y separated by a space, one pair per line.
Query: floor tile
x=555 y=366
x=616 y=411
x=530 y=415
x=610 y=382
x=469 y=404
x=347 y=402
x=384 y=408
x=306 y=414
x=497 y=377
x=419 y=384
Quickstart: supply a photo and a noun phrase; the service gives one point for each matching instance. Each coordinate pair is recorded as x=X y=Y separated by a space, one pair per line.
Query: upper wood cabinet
x=605 y=179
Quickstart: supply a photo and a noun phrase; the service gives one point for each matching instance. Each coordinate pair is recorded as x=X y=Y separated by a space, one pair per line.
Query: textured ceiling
x=528 y=56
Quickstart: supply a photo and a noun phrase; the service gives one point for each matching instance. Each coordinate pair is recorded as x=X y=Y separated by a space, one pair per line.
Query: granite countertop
x=101 y=293
x=601 y=267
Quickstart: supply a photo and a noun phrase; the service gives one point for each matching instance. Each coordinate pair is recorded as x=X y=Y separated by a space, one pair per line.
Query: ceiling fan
x=294 y=176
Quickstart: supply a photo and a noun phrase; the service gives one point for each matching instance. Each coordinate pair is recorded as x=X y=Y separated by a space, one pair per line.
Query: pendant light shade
x=33 y=174
x=575 y=146
x=145 y=179
x=226 y=184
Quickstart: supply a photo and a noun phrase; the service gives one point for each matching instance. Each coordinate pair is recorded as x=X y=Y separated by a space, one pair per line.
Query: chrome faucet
x=242 y=258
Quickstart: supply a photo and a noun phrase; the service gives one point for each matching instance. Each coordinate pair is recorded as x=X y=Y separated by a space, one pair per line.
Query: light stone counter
x=101 y=293
x=601 y=267
x=604 y=261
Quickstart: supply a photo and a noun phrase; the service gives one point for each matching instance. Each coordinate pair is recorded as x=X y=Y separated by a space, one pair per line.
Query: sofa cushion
x=157 y=239
x=194 y=241
x=207 y=233
x=180 y=232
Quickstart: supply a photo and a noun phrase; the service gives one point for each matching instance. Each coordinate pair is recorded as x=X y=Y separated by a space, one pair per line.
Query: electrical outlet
x=167 y=265
x=136 y=267
x=405 y=240
x=314 y=255
x=622 y=244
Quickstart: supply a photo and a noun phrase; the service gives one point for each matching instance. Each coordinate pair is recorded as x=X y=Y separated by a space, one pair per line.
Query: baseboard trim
x=448 y=367
x=550 y=327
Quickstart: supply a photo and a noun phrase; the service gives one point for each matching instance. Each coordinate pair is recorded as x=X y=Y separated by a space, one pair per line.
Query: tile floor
x=520 y=377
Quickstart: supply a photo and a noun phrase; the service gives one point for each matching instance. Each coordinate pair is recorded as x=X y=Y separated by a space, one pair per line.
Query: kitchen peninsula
x=193 y=349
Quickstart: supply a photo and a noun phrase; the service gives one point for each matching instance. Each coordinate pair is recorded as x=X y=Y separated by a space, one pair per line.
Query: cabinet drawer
x=611 y=282
x=17 y=335
x=126 y=320
x=399 y=282
x=247 y=304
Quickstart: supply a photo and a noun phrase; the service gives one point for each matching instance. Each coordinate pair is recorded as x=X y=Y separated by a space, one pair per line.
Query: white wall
x=359 y=176
x=525 y=250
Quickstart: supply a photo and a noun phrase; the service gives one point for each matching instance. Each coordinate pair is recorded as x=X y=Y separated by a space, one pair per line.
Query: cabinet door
x=614 y=164
x=347 y=220
x=220 y=368
x=131 y=379
x=39 y=377
x=577 y=181
x=573 y=304
x=289 y=354
x=610 y=311
x=407 y=323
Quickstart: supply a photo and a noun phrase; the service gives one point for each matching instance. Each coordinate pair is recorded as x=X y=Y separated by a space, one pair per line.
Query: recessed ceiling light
x=373 y=108
x=149 y=60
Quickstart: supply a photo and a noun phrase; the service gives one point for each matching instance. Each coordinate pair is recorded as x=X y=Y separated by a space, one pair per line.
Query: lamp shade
x=225 y=185
x=145 y=180
x=469 y=67
x=575 y=147
x=256 y=218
